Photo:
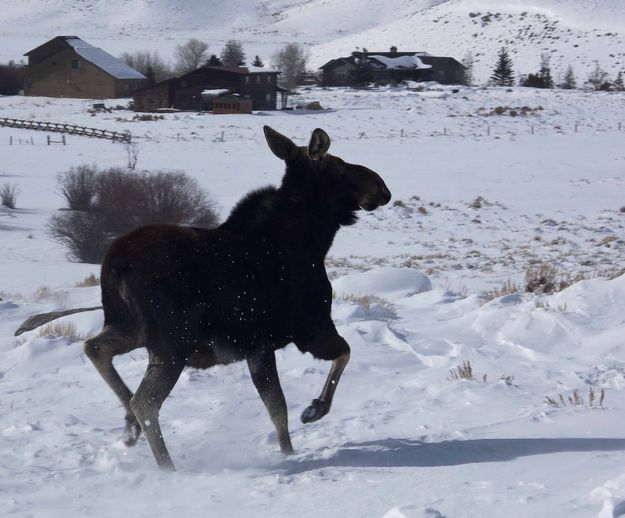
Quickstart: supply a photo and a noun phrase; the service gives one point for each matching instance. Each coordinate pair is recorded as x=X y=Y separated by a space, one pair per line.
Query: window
x=76 y=64
x=29 y=82
x=247 y=79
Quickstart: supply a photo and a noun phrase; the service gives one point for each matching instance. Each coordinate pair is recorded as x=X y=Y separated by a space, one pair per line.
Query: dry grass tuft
x=59 y=329
x=508 y=288
x=366 y=301
x=462 y=372
x=88 y=281
x=41 y=294
x=576 y=399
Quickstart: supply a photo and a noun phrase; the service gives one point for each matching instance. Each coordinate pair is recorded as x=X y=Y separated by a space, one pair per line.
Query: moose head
x=314 y=169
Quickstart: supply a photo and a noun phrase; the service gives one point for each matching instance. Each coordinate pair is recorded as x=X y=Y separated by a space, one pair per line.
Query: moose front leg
x=331 y=345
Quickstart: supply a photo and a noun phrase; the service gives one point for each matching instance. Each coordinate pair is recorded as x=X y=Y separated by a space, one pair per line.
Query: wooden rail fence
x=69 y=129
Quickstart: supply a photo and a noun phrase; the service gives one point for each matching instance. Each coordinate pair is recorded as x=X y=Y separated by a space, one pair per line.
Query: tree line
x=598 y=79
x=290 y=60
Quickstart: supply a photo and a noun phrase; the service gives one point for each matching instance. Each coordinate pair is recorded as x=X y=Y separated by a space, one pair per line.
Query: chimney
x=393 y=50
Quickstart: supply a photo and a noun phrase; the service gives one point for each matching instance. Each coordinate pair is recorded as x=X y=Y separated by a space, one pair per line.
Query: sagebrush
x=122 y=200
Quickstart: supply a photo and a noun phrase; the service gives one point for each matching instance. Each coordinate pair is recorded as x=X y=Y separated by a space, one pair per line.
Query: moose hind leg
x=101 y=350
x=265 y=377
x=331 y=346
x=158 y=381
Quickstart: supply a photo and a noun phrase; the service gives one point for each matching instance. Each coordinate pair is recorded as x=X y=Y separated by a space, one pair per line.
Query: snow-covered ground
x=478 y=196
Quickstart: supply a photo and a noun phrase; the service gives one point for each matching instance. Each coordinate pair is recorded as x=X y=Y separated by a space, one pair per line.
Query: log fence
x=69 y=129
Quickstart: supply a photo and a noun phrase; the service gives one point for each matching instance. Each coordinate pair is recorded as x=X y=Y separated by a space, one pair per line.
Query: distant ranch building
x=393 y=66
x=67 y=66
x=214 y=88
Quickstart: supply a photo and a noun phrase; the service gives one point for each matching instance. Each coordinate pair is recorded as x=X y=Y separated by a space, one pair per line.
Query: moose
x=197 y=297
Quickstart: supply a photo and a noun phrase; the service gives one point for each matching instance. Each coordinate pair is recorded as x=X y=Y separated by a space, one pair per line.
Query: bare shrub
x=8 y=195
x=190 y=56
x=82 y=233
x=541 y=278
x=78 y=186
x=125 y=200
x=477 y=203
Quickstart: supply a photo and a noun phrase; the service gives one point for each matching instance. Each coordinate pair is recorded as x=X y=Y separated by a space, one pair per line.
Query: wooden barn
x=393 y=66
x=214 y=88
x=67 y=66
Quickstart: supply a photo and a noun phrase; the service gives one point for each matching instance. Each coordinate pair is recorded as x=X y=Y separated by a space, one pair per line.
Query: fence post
x=48 y=137
x=488 y=131
x=63 y=139
x=11 y=140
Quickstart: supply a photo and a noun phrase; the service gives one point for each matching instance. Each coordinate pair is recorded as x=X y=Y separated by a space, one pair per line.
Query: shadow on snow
x=400 y=453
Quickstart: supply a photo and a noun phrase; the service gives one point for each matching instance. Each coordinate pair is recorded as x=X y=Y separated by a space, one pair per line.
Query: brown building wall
x=152 y=99
x=67 y=74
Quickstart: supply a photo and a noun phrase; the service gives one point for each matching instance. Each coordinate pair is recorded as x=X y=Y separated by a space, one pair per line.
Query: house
x=386 y=67
x=67 y=66
x=244 y=89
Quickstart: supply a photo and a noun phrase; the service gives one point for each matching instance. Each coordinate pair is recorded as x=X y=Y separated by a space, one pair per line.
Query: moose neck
x=302 y=215
x=315 y=206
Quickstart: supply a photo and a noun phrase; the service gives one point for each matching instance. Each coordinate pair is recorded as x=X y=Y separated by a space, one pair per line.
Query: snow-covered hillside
x=572 y=32
x=479 y=194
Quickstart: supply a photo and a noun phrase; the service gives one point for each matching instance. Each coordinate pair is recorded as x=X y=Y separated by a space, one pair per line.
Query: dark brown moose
x=197 y=297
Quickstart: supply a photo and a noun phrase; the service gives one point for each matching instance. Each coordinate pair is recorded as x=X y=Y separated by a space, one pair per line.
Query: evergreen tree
x=503 y=74
x=543 y=78
x=598 y=79
x=258 y=62
x=232 y=54
x=619 y=83
x=568 y=81
x=545 y=71
x=363 y=75
x=149 y=73
x=214 y=61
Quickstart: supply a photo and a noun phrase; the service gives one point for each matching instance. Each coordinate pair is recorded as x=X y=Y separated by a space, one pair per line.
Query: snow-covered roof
x=103 y=60
x=215 y=92
x=401 y=62
x=261 y=70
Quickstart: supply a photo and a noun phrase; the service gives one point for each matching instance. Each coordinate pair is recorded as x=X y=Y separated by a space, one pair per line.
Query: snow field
x=413 y=288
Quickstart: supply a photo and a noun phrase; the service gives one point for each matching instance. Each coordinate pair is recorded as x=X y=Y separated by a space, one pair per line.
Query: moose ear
x=281 y=146
x=319 y=144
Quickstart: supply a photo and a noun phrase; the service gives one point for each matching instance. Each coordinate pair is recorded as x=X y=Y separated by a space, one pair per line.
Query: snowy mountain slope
x=573 y=32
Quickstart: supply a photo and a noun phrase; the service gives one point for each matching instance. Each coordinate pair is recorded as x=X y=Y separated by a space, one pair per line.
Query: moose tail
x=43 y=318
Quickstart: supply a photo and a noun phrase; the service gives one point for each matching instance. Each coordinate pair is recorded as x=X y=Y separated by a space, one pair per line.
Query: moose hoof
x=132 y=430
x=315 y=411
